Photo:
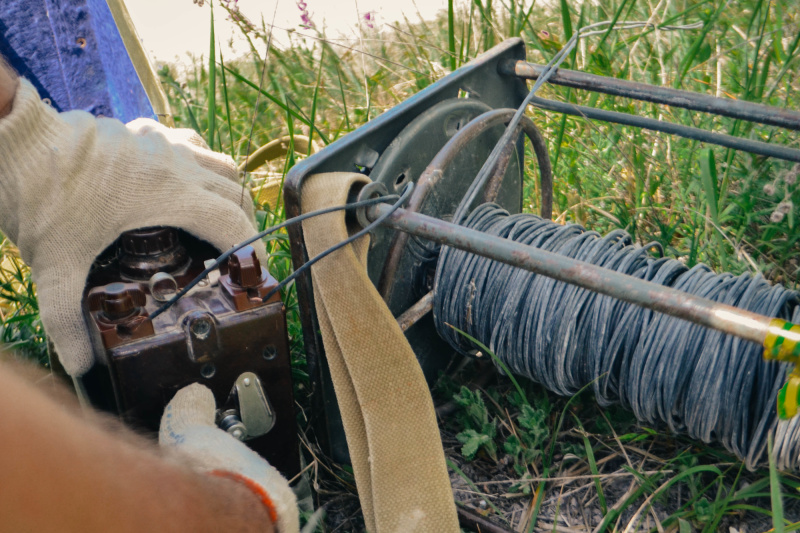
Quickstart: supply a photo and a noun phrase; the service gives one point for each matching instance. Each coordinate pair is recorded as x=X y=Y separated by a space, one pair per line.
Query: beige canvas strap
x=386 y=407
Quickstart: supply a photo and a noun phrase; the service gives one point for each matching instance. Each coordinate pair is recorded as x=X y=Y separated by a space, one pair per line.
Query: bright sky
x=170 y=28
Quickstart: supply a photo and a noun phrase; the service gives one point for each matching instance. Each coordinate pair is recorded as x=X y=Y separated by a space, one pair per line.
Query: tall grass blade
x=496 y=360
x=548 y=460
x=212 y=82
x=560 y=138
x=688 y=60
x=614 y=20
x=451 y=34
x=225 y=96
x=708 y=174
x=279 y=103
x=789 y=58
x=525 y=21
x=468 y=41
x=566 y=20
x=601 y=497
x=775 y=490
x=344 y=99
x=471 y=484
x=489 y=25
x=314 y=102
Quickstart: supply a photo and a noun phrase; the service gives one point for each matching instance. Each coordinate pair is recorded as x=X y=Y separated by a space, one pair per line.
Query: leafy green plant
x=21 y=330
x=480 y=429
x=526 y=446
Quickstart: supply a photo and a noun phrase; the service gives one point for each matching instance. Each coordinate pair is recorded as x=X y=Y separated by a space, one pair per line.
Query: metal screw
x=208 y=370
x=270 y=352
x=201 y=328
x=246 y=382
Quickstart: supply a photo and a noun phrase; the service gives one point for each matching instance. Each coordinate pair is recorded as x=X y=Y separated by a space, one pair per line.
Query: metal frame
x=727 y=107
x=358 y=152
x=497 y=77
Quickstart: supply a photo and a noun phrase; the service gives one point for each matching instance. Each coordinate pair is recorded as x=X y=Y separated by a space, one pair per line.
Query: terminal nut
x=244 y=268
x=247 y=282
x=117 y=301
x=119 y=313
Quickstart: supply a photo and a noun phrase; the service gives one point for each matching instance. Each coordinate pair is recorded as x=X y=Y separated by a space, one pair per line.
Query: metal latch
x=255 y=416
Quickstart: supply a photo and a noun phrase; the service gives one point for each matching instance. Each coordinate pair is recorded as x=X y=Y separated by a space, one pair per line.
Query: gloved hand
x=70 y=184
x=187 y=426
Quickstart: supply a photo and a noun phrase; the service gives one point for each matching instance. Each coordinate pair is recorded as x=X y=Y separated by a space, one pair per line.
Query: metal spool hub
x=408 y=158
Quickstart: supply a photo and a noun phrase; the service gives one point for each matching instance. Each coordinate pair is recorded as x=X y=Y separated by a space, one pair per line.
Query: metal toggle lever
x=254 y=417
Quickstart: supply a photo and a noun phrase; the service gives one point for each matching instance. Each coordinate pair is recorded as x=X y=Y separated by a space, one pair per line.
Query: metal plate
x=405 y=160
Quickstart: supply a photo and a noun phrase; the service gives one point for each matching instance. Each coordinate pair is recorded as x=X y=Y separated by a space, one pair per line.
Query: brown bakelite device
x=221 y=334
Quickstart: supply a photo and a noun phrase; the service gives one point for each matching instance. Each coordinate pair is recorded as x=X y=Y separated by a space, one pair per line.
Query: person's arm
x=58 y=470
x=61 y=472
x=8 y=87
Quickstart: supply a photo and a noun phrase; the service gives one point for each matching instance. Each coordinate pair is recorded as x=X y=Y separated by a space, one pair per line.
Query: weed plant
x=525 y=459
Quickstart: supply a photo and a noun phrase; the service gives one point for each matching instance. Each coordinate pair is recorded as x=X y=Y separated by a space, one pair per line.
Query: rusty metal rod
x=413 y=314
x=725 y=318
x=726 y=107
x=729 y=141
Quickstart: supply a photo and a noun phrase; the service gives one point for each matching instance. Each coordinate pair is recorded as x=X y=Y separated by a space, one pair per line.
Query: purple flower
x=304 y=15
x=369 y=18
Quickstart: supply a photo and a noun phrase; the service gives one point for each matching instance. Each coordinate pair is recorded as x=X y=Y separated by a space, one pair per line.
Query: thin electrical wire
x=552 y=66
x=667 y=371
x=224 y=257
x=368 y=228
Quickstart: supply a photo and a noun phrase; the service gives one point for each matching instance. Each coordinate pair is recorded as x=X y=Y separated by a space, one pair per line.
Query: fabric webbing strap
x=386 y=407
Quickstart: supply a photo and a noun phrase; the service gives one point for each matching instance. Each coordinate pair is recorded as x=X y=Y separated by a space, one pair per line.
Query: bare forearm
x=8 y=87
x=62 y=473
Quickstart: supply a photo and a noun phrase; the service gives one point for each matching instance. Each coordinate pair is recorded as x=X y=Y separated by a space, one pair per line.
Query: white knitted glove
x=187 y=427
x=70 y=184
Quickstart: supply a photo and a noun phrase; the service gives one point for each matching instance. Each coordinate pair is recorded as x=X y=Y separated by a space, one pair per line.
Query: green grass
x=702 y=203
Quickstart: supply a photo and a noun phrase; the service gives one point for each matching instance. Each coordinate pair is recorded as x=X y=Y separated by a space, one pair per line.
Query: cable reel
x=456 y=172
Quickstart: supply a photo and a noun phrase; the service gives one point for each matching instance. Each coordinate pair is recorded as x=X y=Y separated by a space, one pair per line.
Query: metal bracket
x=255 y=416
